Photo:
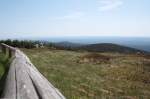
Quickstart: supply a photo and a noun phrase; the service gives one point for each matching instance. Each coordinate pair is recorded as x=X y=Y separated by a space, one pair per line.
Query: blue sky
x=47 y=18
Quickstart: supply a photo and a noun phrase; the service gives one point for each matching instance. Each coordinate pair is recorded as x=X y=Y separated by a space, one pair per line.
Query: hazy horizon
x=57 y=37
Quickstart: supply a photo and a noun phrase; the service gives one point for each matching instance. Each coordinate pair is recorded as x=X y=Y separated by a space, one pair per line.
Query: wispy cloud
x=74 y=15
x=106 y=5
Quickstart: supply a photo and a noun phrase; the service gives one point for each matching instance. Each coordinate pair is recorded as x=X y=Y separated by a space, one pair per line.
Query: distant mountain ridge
x=110 y=47
x=68 y=44
x=99 y=47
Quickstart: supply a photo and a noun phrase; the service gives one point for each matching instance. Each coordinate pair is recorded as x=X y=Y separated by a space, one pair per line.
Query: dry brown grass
x=94 y=58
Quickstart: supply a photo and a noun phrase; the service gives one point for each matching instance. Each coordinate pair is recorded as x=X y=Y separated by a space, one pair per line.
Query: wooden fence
x=24 y=81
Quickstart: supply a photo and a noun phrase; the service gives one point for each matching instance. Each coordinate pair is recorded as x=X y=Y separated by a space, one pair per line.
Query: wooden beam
x=24 y=81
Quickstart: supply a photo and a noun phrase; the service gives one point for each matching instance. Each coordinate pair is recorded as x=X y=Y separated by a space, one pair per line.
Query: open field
x=122 y=77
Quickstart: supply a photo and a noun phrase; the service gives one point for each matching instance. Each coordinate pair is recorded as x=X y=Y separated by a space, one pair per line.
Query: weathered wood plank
x=24 y=81
x=25 y=88
x=45 y=89
x=10 y=85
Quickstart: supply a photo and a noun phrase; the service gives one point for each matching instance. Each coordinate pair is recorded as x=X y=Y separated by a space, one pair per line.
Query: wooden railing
x=24 y=81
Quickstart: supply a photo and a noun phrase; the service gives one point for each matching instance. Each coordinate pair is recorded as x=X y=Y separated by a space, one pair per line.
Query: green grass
x=124 y=77
x=1 y=70
x=3 y=62
x=3 y=67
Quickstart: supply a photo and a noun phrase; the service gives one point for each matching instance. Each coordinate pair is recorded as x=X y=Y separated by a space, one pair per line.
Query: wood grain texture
x=24 y=81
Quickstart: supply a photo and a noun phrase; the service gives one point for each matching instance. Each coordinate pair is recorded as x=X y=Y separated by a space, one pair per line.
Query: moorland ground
x=122 y=76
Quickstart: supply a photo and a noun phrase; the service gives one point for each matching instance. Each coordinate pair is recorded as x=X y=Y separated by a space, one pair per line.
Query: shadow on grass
x=5 y=61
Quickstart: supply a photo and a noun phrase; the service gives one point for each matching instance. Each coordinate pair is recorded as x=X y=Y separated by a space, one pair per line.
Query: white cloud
x=72 y=15
x=106 y=5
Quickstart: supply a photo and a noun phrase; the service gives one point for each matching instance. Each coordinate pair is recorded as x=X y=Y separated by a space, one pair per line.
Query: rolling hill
x=109 y=47
x=68 y=44
x=99 y=47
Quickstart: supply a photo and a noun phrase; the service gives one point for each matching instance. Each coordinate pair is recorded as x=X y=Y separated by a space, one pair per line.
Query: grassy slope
x=124 y=77
x=2 y=62
x=3 y=65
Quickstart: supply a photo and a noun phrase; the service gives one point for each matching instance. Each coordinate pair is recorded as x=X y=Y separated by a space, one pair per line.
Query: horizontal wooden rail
x=24 y=81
